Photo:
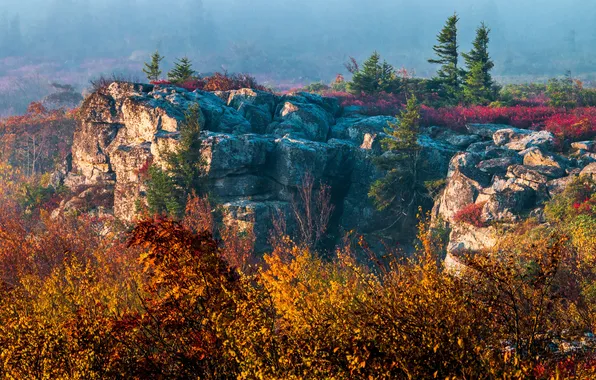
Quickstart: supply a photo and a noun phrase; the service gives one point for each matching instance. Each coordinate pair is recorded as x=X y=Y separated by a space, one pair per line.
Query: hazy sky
x=300 y=38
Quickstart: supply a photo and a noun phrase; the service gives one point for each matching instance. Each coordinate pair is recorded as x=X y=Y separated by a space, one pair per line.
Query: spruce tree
x=405 y=132
x=479 y=86
x=475 y=90
x=374 y=77
x=182 y=71
x=187 y=163
x=152 y=69
x=163 y=196
x=169 y=188
x=449 y=75
x=401 y=163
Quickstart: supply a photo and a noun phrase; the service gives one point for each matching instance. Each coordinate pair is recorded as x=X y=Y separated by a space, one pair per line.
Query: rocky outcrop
x=509 y=176
x=257 y=148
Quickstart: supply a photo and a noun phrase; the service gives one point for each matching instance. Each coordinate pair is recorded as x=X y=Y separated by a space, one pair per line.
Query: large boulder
x=485 y=130
x=589 y=170
x=508 y=135
x=542 y=139
x=548 y=164
x=227 y=155
x=306 y=120
x=506 y=200
x=460 y=192
x=498 y=165
x=258 y=107
x=466 y=240
x=587 y=146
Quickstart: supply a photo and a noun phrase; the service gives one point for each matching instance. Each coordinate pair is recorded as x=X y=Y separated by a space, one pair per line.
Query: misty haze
x=297 y=189
x=285 y=44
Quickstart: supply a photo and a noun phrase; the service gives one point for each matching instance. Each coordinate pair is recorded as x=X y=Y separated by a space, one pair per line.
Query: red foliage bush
x=573 y=125
x=225 y=82
x=456 y=118
x=161 y=82
x=471 y=214
x=566 y=125
x=576 y=125
x=217 y=82
x=193 y=84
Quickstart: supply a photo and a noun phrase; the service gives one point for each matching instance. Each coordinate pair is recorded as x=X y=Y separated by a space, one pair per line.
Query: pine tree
x=182 y=71
x=186 y=164
x=449 y=75
x=168 y=190
x=479 y=86
x=374 y=77
x=152 y=69
x=475 y=90
x=163 y=196
x=401 y=163
x=405 y=132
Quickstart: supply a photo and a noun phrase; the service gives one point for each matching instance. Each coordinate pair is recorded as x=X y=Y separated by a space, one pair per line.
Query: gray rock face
x=508 y=135
x=588 y=146
x=498 y=165
x=509 y=177
x=458 y=140
x=540 y=139
x=257 y=147
x=589 y=170
x=485 y=130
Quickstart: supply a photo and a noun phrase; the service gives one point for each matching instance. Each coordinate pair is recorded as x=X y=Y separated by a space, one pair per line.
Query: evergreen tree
x=374 y=77
x=186 y=164
x=401 y=162
x=479 y=86
x=449 y=75
x=182 y=71
x=163 y=196
x=152 y=69
x=475 y=90
x=405 y=132
x=168 y=190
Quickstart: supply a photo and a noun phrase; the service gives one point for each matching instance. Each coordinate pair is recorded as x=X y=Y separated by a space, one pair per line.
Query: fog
x=287 y=41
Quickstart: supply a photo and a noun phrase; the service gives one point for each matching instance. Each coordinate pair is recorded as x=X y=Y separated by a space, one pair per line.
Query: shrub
x=217 y=82
x=103 y=81
x=167 y=305
x=225 y=82
x=471 y=214
x=525 y=95
x=317 y=88
x=572 y=125
x=575 y=212
x=576 y=125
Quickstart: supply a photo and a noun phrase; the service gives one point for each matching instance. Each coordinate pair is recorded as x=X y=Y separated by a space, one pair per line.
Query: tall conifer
x=449 y=76
x=152 y=69
x=479 y=86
